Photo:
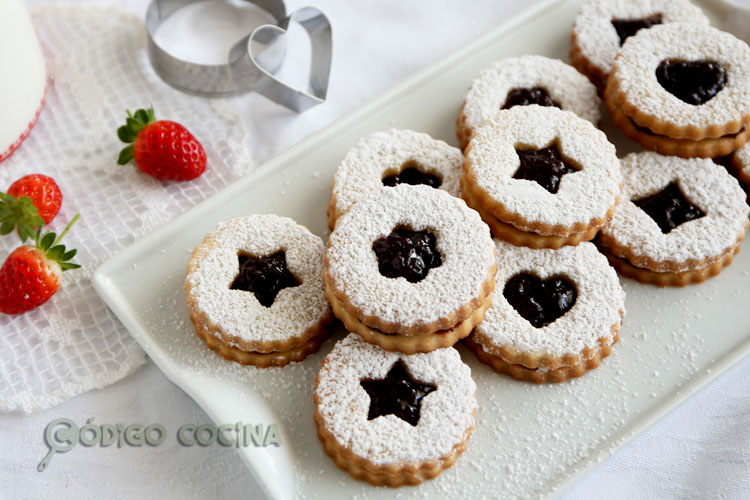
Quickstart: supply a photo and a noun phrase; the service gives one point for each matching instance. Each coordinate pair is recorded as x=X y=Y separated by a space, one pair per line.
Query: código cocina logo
x=62 y=435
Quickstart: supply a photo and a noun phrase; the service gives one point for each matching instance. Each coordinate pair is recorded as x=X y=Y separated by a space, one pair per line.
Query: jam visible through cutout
x=397 y=394
x=669 y=208
x=628 y=27
x=545 y=166
x=540 y=302
x=407 y=254
x=411 y=174
x=694 y=82
x=264 y=276
x=525 y=96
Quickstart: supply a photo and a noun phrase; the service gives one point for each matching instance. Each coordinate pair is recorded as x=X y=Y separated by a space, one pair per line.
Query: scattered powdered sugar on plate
x=597 y=307
x=582 y=196
x=564 y=84
x=597 y=38
x=365 y=165
x=237 y=312
x=635 y=72
x=463 y=241
x=446 y=414
x=704 y=183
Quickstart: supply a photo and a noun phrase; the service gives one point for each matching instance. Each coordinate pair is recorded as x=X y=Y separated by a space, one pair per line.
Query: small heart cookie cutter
x=252 y=61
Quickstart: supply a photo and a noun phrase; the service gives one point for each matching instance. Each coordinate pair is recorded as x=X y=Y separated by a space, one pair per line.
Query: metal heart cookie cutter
x=252 y=60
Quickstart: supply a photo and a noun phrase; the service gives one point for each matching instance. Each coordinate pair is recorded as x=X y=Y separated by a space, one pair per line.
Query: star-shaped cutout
x=669 y=208
x=545 y=166
x=397 y=394
x=264 y=276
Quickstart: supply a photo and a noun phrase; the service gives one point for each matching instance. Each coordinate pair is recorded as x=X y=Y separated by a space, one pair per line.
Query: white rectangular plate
x=529 y=441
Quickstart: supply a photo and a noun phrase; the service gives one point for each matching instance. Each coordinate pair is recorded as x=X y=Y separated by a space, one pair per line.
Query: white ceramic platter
x=529 y=441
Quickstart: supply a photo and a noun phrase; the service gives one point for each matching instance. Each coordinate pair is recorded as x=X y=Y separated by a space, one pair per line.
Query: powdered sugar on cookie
x=564 y=84
x=384 y=153
x=705 y=184
x=582 y=196
x=237 y=312
x=446 y=414
x=463 y=241
x=599 y=305
x=596 y=37
x=741 y=162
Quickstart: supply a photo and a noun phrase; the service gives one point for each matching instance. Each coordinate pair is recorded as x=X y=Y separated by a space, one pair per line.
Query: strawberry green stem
x=67 y=228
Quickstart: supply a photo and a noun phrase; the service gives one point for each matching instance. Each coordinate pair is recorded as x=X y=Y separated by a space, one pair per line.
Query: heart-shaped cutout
x=261 y=46
x=540 y=302
x=695 y=82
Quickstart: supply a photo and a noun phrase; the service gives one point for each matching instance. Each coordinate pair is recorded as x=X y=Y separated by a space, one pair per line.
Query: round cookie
x=740 y=165
x=555 y=313
x=680 y=221
x=528 y=79
x=541 y=177
x=410 y=268
x=685 y=148
x=393 y=419
x=602 y=26
x=683 y=81
x=255 y=292
x=389 y=158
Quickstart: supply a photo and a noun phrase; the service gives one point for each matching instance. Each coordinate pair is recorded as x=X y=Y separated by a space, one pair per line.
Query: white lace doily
x=98 y=68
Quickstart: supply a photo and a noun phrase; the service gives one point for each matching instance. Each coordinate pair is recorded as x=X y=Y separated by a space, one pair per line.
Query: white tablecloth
x=701 y=450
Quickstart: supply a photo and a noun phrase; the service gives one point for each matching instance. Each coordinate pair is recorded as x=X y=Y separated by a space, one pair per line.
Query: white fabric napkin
x=98 y=69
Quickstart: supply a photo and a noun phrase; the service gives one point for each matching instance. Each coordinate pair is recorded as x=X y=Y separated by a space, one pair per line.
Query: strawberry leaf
x=25 y=232
x=19 y=213
x=49 y=243
x=133 y=124
x=56 y=253
x=126 y=135
x=47 y=240
x=125 y=155
x=142 y=116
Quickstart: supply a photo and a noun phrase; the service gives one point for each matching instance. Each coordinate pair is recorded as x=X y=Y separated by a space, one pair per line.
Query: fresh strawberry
x=163 y=149
x=32 y=273
x=43 y=191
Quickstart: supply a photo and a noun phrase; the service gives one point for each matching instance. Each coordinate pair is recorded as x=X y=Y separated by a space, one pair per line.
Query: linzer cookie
x=410 y=268
x=541 y=177
x=393 y=419
x=555 y=313
x=739 y=164
x=603 y=26
x=255 y=292
x=390 y=158
x=682 y=90
x=680 y=222
x=522 y=81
